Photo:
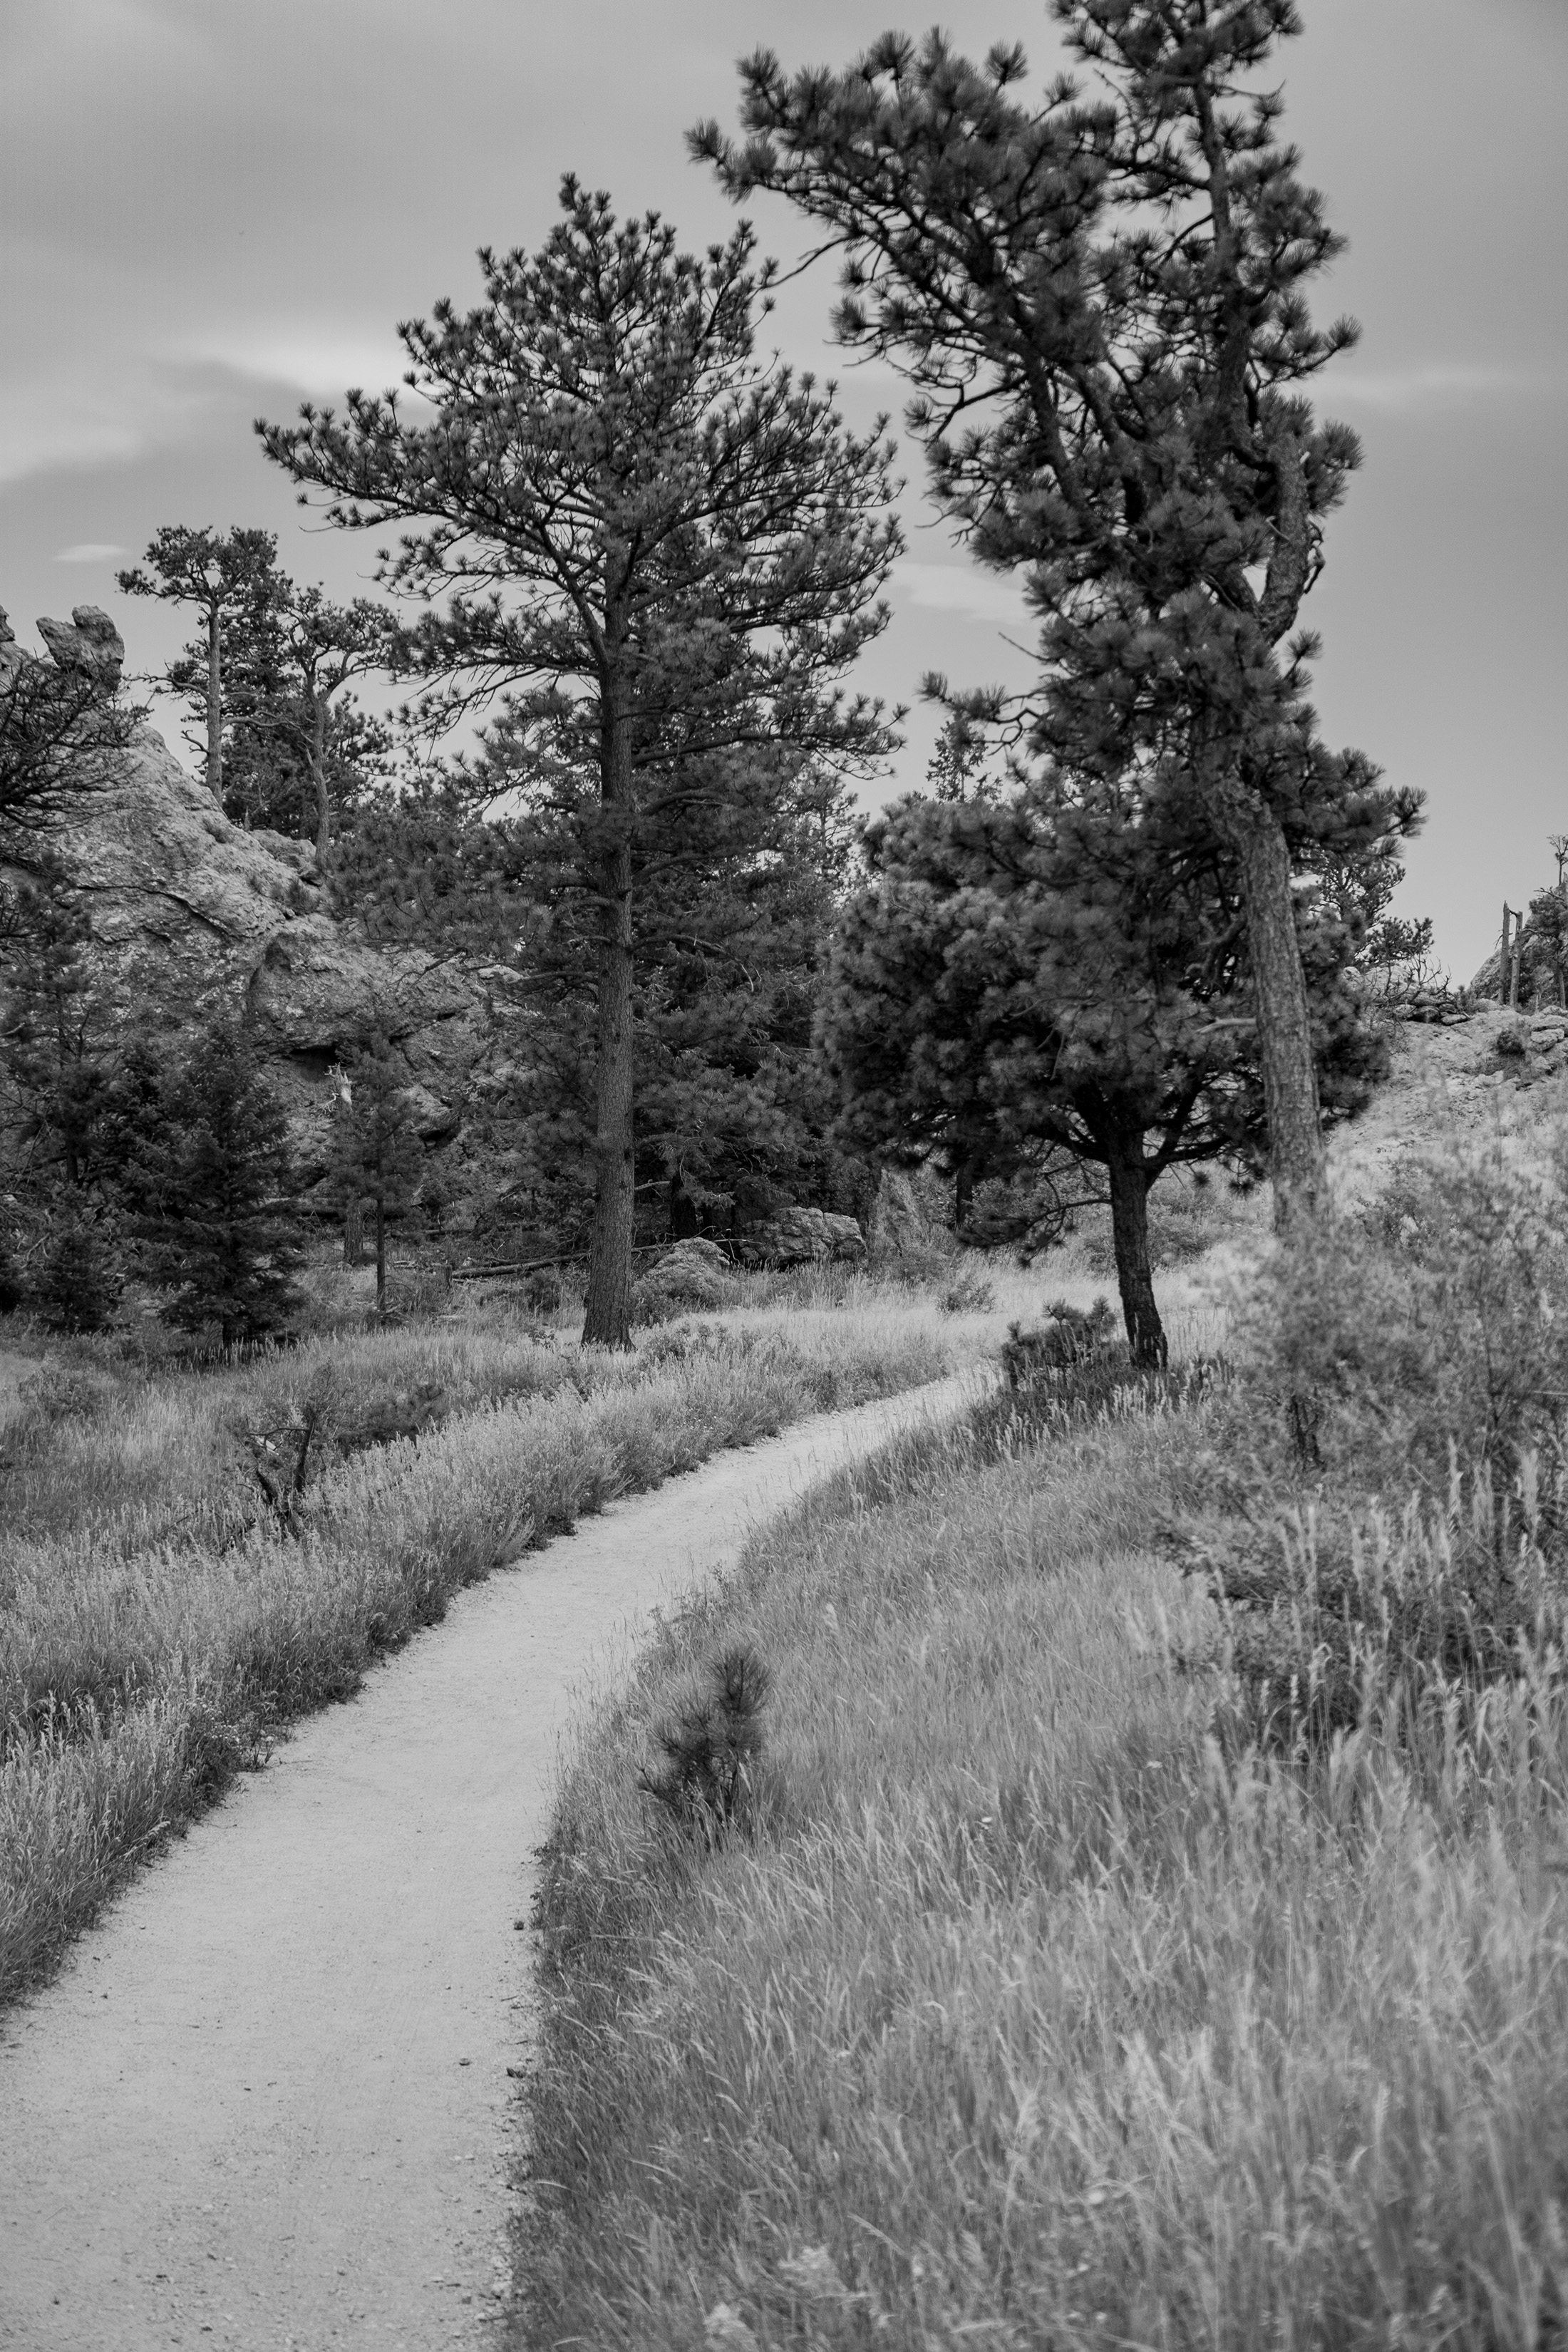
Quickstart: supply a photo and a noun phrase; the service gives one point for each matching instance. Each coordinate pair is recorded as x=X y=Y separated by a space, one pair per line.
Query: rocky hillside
x=191 y=911
x=243 y=913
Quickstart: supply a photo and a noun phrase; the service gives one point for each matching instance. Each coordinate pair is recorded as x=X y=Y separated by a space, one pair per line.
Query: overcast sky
x=210 y=209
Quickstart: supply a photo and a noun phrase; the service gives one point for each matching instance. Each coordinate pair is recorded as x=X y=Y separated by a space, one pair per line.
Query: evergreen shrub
x=81 y=1274
x=1383 y=1516
x=220 y=1231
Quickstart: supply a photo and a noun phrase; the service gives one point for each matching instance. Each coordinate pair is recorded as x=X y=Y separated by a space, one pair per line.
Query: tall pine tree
x=643 y=532
x=1100 y=302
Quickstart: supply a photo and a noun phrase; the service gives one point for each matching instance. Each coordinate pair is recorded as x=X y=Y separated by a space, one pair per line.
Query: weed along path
x=266 y=2103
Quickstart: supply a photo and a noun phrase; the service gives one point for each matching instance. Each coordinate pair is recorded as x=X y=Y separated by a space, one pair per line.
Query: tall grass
x=1060 y=1988
x=156 y=1646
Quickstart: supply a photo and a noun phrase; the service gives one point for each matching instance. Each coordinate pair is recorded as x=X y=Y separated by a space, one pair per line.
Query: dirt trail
x=267 y=2105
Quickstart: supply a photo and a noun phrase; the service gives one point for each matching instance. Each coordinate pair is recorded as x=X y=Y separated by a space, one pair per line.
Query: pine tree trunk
x=607 y=1320
x=1296 y=1161
x=319 y=778
x=380 y=1255
x=215 y=709
x=1130 y=1232
x=683 y=1218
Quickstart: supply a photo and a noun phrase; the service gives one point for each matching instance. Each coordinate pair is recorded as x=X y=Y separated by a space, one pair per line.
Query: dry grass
x=1025 y=2014
x=156 y=1629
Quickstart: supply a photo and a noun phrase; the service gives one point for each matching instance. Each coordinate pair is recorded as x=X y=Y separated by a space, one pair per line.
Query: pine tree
x=61 y=1038
x=1546 y=943
x=232 y=579
x=215 y=1175
x=300 y=750
x=1067 y=969
x=1099 y=301
x=957 y=769
x=287 y=745
x=735 y=870
x=80 y=1273
x=376 y=1153
x=652 y=536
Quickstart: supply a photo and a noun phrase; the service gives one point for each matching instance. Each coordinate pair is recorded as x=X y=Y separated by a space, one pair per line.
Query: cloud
x=94 y=414
x=965 y=588
x=42 y=432
x=1446 y=383
x=311 y=356
x=91 y=551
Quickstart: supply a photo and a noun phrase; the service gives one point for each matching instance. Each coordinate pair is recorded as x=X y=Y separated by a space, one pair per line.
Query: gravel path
x=267 y=2105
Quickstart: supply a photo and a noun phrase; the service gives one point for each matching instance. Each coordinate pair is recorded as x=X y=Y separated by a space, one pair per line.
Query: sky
x=212 y=209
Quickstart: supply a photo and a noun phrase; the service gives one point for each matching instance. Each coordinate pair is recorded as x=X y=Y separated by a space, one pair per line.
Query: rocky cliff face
x=194 y=912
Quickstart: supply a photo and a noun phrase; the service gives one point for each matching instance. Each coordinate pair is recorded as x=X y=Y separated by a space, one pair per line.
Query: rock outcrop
x=194 y=912
x=899 y=1224
x=87 y=642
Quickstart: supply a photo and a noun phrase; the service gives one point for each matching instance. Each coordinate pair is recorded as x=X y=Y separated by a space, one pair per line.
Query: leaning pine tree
x=1100 y=303
x=635 y=521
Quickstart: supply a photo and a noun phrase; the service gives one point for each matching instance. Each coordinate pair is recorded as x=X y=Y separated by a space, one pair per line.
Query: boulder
x=799 y=1236
x=689 y=1274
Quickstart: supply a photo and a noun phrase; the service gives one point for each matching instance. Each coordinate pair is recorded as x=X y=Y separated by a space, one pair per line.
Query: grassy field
x=160 y=1625
x=1104 y=1955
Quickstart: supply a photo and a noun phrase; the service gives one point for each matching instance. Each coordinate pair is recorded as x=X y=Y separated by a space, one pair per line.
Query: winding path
x=266 y=2103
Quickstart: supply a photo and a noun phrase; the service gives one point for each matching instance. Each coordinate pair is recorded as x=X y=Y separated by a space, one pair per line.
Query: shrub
x=415 y=1294
x=57 y=1393
x=1069 y=1336
x=1347 y=1615
x=1185 y=1218
x=1388 y=1539
x=969 y=1292
x=711 y=1743
x=541 y=1293
x=1432 y=1327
